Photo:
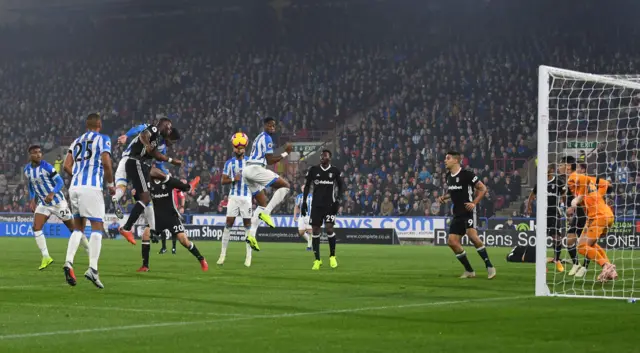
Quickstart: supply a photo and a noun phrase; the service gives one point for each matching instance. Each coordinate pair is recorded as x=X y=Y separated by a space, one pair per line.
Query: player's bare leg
x=146 y=250
x=39 y=220
x=282 y=188
x=84 y=242
x=316 y=247
x=331 y=237
x=189 y=245
x=482 y=251
x=454 y=243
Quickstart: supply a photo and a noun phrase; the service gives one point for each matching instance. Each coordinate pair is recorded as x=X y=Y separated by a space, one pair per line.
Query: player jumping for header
x=461 y=185
x=326 y=202
x=257 y=177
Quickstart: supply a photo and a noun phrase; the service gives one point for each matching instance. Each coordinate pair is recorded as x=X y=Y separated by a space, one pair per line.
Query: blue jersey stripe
x=232 y=168
x=41 y=180
x=87 y=151
x=309 y=200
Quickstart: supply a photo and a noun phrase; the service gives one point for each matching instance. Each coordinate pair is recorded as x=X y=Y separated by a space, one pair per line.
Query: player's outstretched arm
x=68 y=163
x=108 y=171
x=481 y=190
x=271 y=159
x=226 y=174
x=532 y=197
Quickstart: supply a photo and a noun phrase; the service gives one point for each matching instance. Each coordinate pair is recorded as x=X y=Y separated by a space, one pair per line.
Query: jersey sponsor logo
x=454 y=187
x=157 y=196
x=324 y=182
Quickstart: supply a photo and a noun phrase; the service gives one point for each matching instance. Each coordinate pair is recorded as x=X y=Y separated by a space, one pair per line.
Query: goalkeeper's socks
x=316 y=246
x=146 y=248
x=194 y=251
x=557 y=250
x=332 y=243
x=462 y=257
x=482 y=251
x=573 y=254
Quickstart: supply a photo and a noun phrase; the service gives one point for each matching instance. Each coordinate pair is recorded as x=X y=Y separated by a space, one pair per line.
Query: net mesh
x=597 y=122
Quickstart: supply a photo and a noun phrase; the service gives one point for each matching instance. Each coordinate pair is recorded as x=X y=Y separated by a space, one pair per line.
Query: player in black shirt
x=141 y=150
x=168 y=219
x=325 y=204
x=461 y=185
x=556 y=189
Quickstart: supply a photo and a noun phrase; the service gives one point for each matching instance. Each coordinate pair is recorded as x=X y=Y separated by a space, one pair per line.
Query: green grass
x=381 y=299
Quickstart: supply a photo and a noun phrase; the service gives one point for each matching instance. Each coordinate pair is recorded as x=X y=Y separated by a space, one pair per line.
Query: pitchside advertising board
x=405 y=227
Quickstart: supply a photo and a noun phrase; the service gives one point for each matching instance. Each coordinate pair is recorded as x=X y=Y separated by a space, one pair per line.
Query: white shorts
x=60 y=210
x=121 y=173
x=257 y=177
x=87 y=203
x=239 y=207
x=303 y=223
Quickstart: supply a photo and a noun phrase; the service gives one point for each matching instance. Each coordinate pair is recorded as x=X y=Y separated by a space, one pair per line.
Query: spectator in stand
x=203 y=202
x=222 y=206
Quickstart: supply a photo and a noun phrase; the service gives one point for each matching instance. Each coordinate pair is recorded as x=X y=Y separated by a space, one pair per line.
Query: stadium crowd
x=393 y=100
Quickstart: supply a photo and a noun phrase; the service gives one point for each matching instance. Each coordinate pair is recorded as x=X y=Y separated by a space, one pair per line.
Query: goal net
x=595 y=120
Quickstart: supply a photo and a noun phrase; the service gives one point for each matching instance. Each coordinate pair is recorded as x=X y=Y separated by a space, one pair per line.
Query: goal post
x=577 y=113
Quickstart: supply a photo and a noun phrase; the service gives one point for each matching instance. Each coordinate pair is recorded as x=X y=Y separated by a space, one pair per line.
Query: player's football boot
x=491 y=272
x=127 y=234
x=316 y=265
x=333 y=262
x=143 y=269
x=267 y=219
x=92 y=276
x=194 y=184
x=69 y=275
x=118 y=208
x=173 y=251
x=221 y=260
x=162 y=251
x=467 y=274
x=247 y=262
x=559 y=267
x=46 y=261
x=582 y=271
x=204 y=265
x=574 y=269
x=253 y=243
x=309 y=248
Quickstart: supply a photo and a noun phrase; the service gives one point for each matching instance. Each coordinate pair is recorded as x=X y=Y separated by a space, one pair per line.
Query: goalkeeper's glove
x=303 y=209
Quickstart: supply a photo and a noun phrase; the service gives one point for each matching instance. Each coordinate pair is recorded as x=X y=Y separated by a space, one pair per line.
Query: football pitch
x=381 y=299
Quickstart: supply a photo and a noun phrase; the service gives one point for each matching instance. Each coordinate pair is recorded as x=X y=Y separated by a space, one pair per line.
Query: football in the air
x=239 y=139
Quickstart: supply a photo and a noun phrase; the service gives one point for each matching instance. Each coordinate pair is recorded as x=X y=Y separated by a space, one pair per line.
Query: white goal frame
x=544 y=80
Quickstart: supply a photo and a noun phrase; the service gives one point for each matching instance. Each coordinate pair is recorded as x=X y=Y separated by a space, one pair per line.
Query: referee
x=325 y=204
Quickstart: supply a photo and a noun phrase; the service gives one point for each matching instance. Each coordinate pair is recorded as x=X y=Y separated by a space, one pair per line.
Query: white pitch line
x=115 y=308
x=252 y=317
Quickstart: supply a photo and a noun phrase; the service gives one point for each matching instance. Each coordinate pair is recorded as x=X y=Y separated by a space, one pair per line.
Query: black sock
x=173 y=240
x=177 y=184
x=194 y=250
x=586 y=263
x=557 y=250
x=163 y=238
x=146 y=248
x=137 y=210
x=573 y=254
x=332 y=244
x=316 y=246
x=483 y=254
x=462 y=257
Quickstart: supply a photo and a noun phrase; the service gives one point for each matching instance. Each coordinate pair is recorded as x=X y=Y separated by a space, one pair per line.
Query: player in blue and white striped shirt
x=304 y=228
x=240 y=204
x=89 y=162
x=257 y=177
x=45 y=193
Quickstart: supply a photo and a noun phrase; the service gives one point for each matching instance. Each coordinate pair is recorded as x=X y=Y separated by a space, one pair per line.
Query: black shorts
x=554 y=226
x=460 y=224
x=137 y=175
x=321 y=215
x=577 y=224
x=169 y=225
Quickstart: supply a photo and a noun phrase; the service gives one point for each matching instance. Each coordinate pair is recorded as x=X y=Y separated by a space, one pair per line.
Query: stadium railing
x=509 y=165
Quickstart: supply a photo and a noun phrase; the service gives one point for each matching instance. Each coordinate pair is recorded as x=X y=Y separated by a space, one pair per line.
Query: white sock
x=306 y=236
x=309 y=240
x=148 y=214
x=72 y=247
x=85 y=242
x=226 y=233
x=119 y=194
x=276 y=199
x=95 y=245
x=248 y=247
x=255 y=221
x=42 y=243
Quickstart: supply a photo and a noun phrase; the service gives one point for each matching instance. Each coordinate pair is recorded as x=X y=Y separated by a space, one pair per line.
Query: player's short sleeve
x=472 y=178
x=105 y=144
x=227 y=169
x=298 y=199
x=268 y=144
x=47 y=167
x=72 y=145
